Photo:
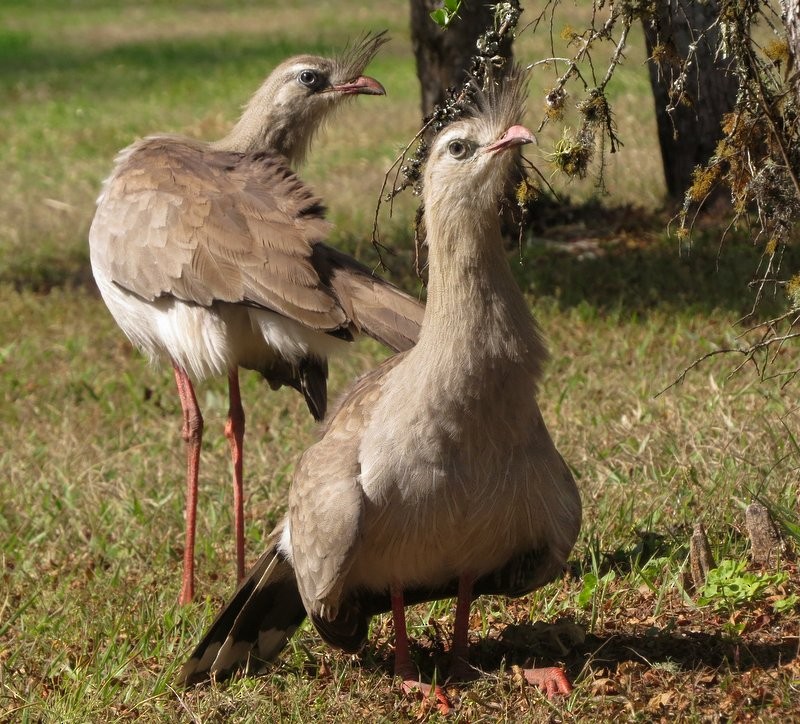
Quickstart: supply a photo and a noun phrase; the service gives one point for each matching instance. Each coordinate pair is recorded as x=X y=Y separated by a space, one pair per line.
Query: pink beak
x=361 y=85
x=514 y=136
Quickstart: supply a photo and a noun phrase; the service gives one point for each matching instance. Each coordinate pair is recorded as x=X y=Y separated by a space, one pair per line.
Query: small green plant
x=592 y=583
x=593 y=594
x=730 y=584
x=787 y=604
x=573 y=153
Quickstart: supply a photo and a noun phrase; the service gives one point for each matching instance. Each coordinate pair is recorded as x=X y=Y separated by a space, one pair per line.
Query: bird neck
x=474 y=306
x=267 y=127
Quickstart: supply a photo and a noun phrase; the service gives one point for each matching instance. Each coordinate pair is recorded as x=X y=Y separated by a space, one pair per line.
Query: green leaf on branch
x=446 y=14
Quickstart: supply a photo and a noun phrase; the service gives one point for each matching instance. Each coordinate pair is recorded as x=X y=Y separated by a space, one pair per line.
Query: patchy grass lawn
x=91 y=461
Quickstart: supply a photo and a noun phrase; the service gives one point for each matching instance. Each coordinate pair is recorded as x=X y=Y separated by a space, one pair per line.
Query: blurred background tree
x=690 y=101
x=444 y=48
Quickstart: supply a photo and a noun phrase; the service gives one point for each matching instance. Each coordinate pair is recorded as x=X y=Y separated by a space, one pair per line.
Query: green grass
x=91 y=461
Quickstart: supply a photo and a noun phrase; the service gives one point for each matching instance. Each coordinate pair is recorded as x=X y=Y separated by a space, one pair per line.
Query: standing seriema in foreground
x=436 y=476
x=210 y=255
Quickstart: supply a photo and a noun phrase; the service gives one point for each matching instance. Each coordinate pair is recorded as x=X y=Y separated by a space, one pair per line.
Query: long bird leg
x=402 y=660
x=460 y=670
x=193 y=436
x=552 y=680
x=234 y=431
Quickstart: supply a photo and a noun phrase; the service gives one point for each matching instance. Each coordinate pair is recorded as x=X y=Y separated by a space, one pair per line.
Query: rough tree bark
x=443 y=56
x=791 y=16
x=688 y=134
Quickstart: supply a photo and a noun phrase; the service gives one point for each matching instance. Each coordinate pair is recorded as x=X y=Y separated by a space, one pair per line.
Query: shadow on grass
x=686 y=651
x=622 y=258
x=522 y=645
x=42 y=272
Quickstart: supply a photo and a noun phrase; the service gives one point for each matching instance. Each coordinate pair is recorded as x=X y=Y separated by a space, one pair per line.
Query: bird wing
x=326 y=502
x=374 y=305
x=179 y=219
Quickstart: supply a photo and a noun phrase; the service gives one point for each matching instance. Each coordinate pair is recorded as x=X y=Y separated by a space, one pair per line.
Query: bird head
x=301 y=93
x=470 y=161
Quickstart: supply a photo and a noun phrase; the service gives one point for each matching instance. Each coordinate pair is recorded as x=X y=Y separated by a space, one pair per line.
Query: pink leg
x=402 y=661
x=552 y=680
x=460 y=668
x=193 y=436
x=234 y=431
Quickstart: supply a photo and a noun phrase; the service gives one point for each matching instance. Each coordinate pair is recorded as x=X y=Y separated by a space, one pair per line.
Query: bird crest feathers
x=500 y=100
x=356 y=56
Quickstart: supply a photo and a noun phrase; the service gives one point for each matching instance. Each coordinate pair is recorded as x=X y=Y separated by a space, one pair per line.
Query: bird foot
x=412 y=685
x=551 y=680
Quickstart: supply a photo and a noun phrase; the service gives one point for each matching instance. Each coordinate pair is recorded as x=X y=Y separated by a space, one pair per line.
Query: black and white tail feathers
x=254 y=625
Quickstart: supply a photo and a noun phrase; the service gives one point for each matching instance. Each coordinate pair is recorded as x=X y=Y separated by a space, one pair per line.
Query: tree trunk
x=791 y=15
x=443 y=56
x=689 y=132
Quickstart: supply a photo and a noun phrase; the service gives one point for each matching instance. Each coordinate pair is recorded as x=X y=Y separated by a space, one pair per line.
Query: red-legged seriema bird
x=436 y=475
x=212 y=256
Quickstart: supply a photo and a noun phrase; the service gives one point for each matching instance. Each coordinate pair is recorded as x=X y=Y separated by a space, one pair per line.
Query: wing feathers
x=374 y=306
x=177 y=218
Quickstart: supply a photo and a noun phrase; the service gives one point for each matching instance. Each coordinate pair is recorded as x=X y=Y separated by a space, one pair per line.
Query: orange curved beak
x=514 y=136
x=363 y=85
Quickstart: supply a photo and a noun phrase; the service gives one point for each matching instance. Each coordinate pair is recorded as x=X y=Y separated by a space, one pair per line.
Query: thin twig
x=682 y=376
x=395 y=164
x=618 y=55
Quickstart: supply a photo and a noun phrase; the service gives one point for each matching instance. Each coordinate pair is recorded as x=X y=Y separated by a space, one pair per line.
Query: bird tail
x=255 y=624
x=377 y=307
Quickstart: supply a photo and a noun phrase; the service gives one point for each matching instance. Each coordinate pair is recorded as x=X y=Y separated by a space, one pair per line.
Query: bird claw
x=551 y=680
x=413 y=686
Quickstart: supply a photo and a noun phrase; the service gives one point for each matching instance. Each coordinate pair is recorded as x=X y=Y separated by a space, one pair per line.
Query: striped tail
x=254 y=625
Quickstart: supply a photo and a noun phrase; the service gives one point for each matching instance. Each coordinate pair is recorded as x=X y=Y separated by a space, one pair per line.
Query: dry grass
x=91 y=464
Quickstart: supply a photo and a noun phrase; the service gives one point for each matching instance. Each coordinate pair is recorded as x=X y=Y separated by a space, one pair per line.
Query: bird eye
x=307 y=78
x=458 y=148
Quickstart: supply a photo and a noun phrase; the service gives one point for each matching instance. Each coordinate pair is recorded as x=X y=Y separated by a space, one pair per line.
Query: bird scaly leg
x=234 y=431
x=460 y=670
x=402 y=660
x=192 y=433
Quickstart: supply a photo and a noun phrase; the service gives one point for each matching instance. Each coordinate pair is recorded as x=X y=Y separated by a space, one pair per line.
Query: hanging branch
x=407 y=169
